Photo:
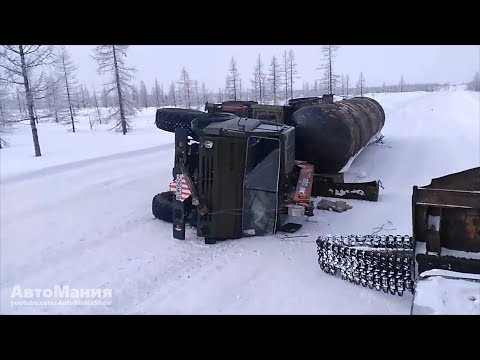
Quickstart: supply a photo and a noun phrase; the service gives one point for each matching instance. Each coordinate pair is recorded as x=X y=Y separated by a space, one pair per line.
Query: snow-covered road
x=88 y=224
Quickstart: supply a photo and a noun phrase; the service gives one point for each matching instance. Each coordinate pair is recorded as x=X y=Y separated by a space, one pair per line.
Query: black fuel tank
x=329 y=135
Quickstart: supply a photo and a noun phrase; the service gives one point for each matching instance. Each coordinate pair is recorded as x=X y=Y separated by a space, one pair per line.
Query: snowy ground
x=80 y=216
x=443 y=292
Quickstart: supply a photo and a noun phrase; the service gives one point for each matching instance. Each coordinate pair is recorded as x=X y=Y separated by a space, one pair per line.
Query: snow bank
x=440 y=295
x=59 y=146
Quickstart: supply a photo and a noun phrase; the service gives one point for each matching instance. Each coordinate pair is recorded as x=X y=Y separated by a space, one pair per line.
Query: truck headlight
x=208 y=144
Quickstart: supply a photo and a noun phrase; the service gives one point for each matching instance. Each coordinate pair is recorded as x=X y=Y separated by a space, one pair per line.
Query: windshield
x=260 y=193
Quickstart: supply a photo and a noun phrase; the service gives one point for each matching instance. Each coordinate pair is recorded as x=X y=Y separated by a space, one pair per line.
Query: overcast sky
x=209 y=63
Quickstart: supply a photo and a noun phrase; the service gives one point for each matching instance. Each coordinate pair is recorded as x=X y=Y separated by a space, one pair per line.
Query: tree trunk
x=96 y=105
x=29 y=95
x=291 y=81
x=105 y=98
x=198 y=98
x=330 y=70
x=19 y=104
x=119 y=92
x=35 y=113
x=83 y=98
x=274 y=87
x=286 y=75
x=260 y=89
x=68 y=94
x=234 y=89
x=55 y=109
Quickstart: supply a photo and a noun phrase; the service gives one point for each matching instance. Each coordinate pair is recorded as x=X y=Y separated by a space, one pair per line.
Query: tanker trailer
x=330 y=135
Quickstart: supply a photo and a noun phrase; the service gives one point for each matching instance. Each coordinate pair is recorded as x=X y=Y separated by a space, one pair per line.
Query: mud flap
x=178 y=206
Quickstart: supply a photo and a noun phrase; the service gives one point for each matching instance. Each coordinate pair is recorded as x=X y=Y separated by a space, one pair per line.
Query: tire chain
x=378 y=261
x=170 y=126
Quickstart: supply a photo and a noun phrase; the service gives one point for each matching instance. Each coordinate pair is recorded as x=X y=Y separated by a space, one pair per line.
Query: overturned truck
x=235 y=177
x=241 y=167
x=329 y=135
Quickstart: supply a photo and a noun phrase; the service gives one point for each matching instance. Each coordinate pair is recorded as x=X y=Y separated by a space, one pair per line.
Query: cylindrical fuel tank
x=330 y=135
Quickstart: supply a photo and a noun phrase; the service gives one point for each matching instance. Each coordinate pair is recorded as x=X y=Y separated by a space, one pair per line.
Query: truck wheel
x=162 y=206
x=169 y=119
x=201 y=123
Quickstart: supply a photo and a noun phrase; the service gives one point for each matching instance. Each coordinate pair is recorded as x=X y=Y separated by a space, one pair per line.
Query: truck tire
x=162 y=206
x=201 y=123
x=169 y=119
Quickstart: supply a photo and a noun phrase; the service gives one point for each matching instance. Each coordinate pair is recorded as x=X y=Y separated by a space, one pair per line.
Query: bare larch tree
x=56 y=101
x=306 y=89
x=77 y=101
x=228 y=84
x=143 y=96
x=134 y=95
x=162 y=95
x=292 y=67
x=111 y=60
x=316 y=88
x=21 y=108
x=401 y=84
x=361 y=84
x=180 y=96
x=66 y=69
x=95 y=101
x=171 y=94
x=330 y=79
x=19 y=65
x=156 y=94
x=347 y=84
x=474 y=85
x=220 y=95
x=258 y=80
x=197 y=95
x=4 y=118
x=82 y=97
x=233 y=80
x=88 y=102
x=105 y=101
x=285 y=74
x=204 y=93
x=185 y=85
x=3 y=96
x=274 y=79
